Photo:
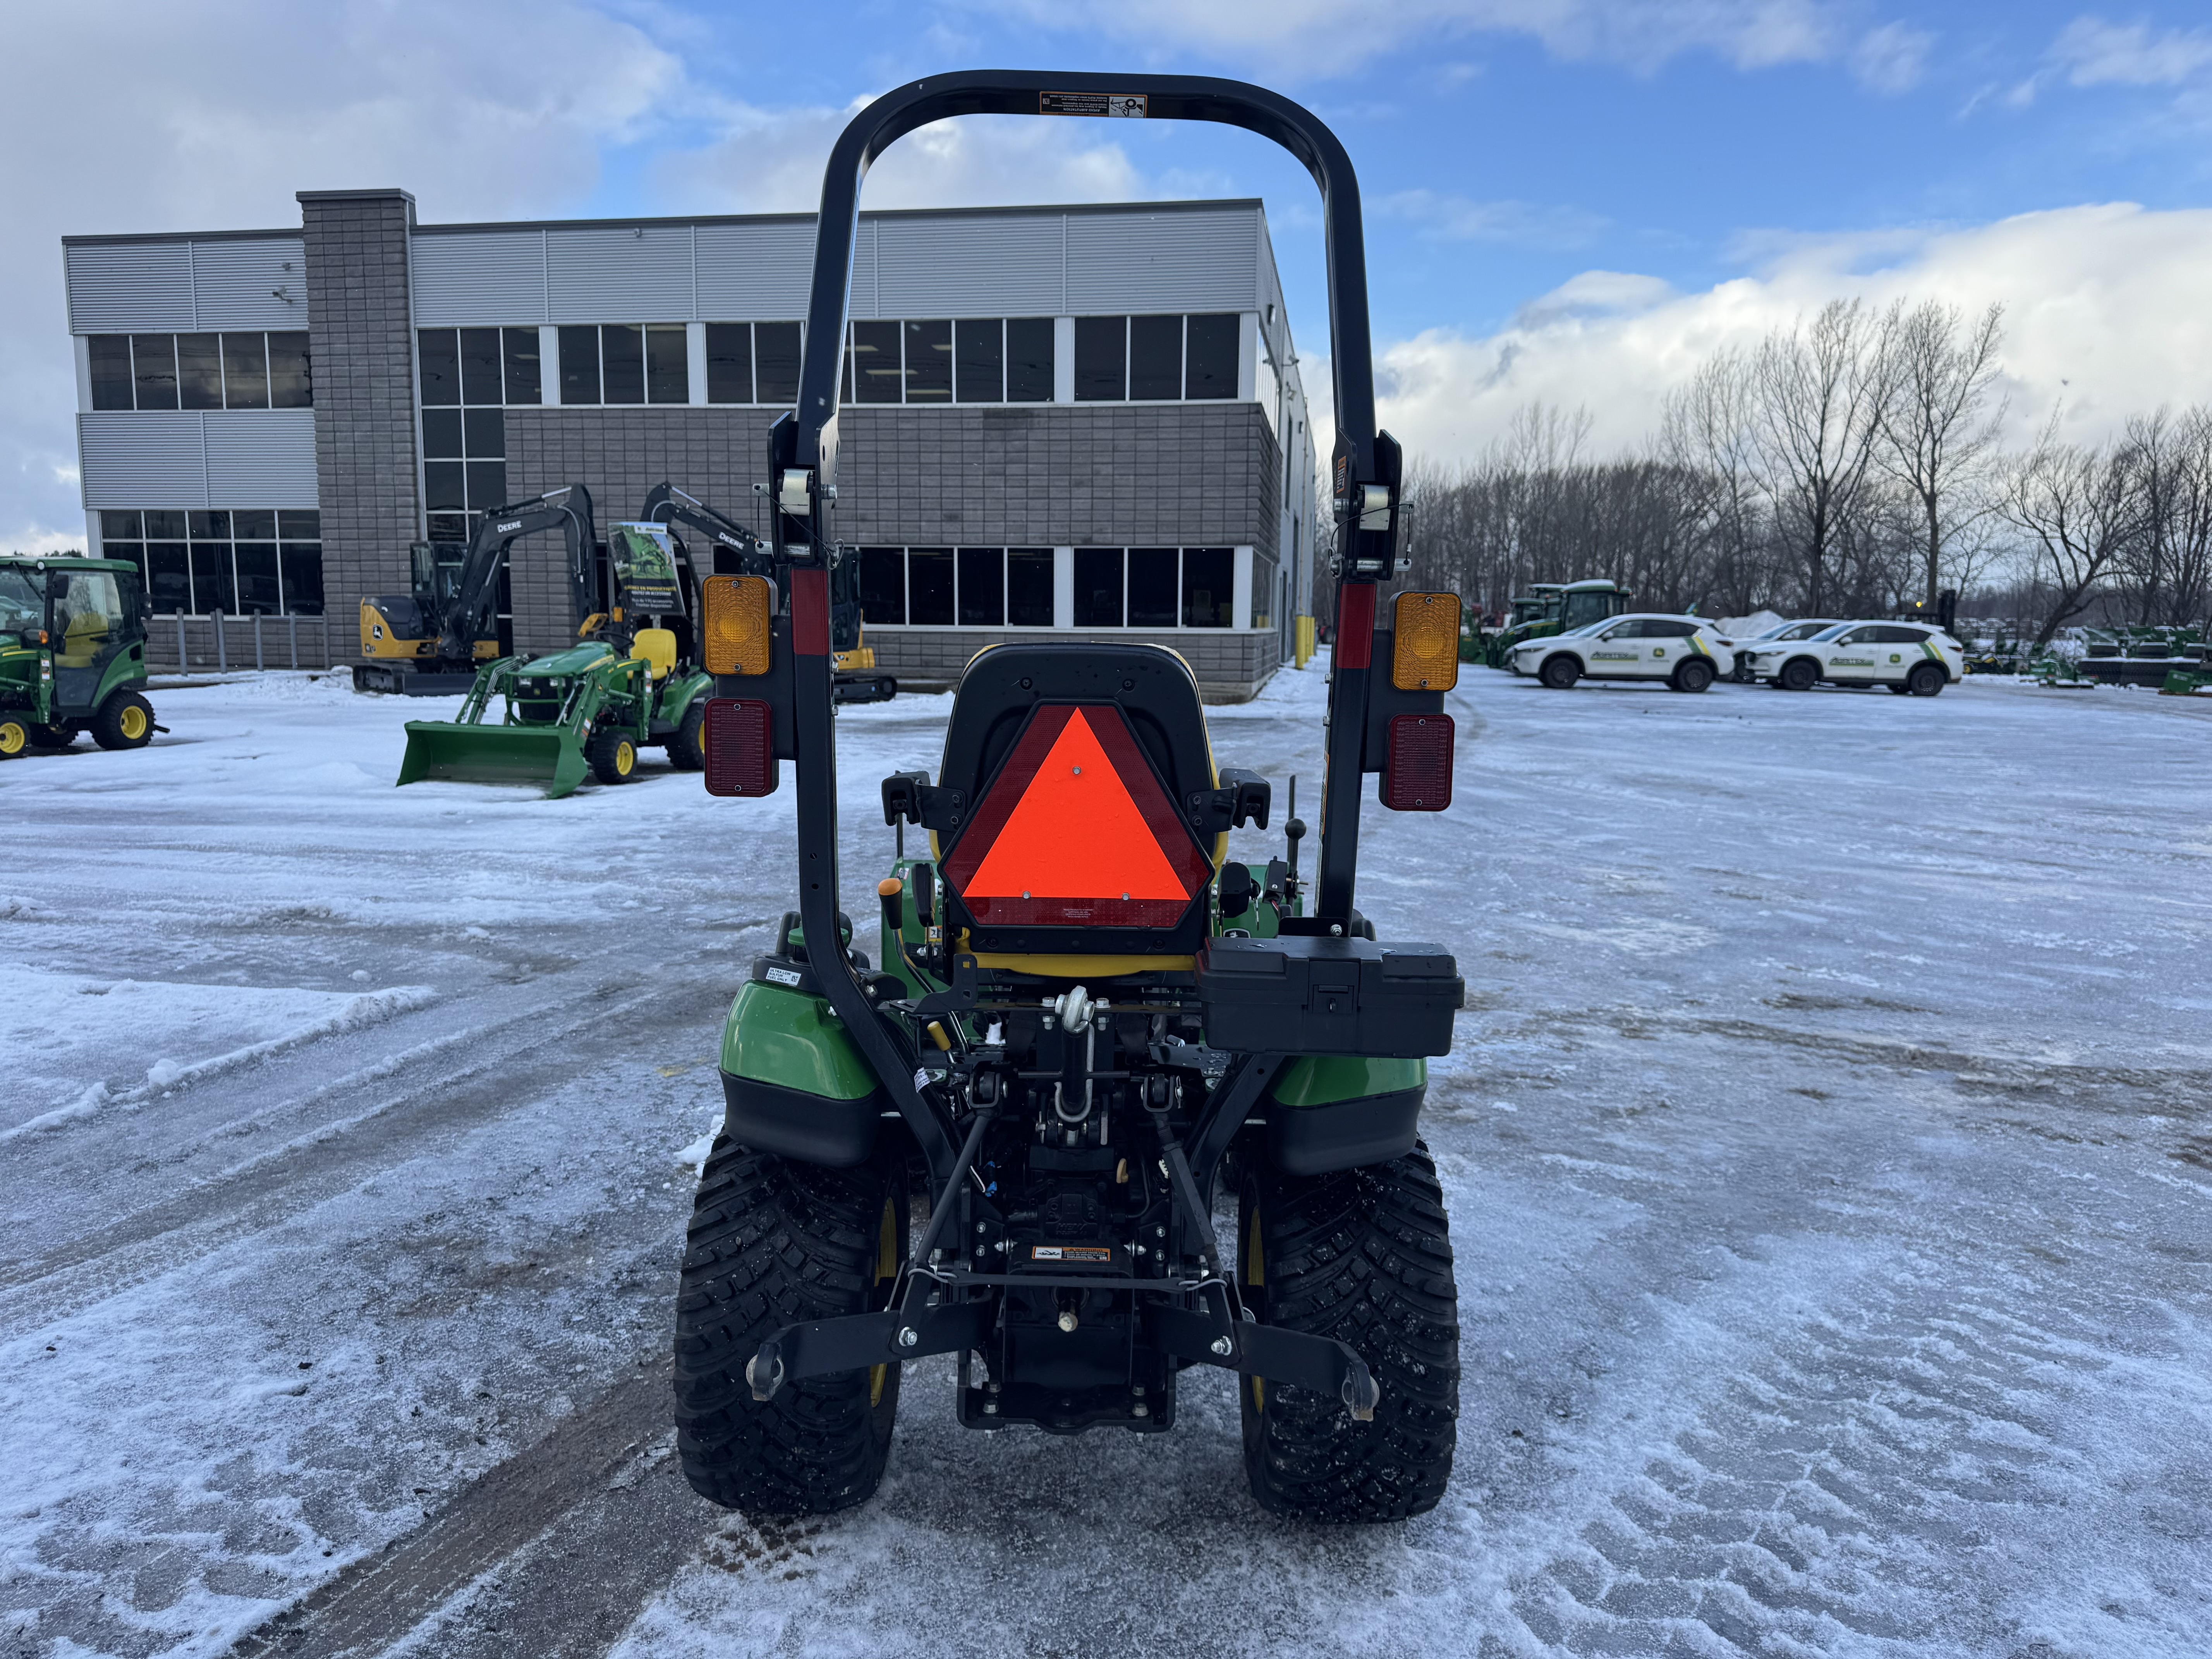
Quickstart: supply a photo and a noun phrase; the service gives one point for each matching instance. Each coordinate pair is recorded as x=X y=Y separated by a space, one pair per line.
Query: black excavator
x=430 y=642
x=739 y=552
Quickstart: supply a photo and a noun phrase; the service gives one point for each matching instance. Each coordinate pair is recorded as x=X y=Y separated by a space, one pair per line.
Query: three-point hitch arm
x=569 y=510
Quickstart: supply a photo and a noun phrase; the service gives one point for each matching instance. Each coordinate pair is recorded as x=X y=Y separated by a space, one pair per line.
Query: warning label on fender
x=1129 y=105
x=1089 y=1252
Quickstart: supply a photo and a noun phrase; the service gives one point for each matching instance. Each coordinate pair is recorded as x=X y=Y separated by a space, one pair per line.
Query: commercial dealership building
x=1083 y=419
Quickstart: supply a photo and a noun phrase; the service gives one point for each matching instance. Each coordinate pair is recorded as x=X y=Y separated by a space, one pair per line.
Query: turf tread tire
x=687 y=748
x=604 y=754
x=107 y=725
x=1363 y=1255
x=771 y=1243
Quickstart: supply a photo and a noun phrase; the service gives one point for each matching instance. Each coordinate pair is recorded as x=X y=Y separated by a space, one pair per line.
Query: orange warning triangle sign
x=1076 y=833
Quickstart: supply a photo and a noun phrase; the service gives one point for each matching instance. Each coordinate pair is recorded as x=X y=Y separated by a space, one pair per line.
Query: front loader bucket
x=459 y=753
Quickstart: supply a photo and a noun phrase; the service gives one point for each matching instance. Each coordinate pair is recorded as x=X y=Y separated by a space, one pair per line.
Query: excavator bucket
x=458 y=752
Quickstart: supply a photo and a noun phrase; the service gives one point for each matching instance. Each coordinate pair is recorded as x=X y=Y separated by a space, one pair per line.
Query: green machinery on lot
x=1088 y=1021
x=72 y=654
x=1549 y=608
x=586 y=710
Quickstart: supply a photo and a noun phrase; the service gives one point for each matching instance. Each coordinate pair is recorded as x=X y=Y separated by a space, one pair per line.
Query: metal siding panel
x=235 y=283
x=992 y=265
x=128 y=459
x=862 y=296
x=637 y=275
x=260 y=457
x=130 y=287
x=755 y=273
x=1193 y=261
x=479 y=279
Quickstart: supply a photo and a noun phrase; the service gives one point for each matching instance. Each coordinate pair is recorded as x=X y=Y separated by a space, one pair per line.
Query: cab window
x=22 y=604
x=1582 y=608
x=87 y=614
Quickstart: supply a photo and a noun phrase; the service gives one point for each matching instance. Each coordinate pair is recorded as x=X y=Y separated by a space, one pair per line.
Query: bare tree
x=1704 y=433
x=1820 y=394
x=2081 y=506
x=1939 y=431
x=2163 y=570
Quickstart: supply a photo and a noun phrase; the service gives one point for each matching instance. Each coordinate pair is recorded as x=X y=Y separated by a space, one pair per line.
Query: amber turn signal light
x=735 y=634
x=1425 y=650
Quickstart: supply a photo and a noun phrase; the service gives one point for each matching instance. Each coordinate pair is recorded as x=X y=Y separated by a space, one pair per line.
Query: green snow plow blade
x=447 y=751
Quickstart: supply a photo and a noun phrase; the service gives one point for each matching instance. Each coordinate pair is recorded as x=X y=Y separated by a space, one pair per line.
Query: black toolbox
x=1307 y=994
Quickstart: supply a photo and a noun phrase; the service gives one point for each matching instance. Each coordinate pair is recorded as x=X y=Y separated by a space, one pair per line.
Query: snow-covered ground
x=1827 y=1146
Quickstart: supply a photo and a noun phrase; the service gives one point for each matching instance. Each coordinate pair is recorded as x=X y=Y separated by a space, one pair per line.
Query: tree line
x=1849 y=464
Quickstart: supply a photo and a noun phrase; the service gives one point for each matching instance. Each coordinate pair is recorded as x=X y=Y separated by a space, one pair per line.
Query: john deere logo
x=376 y=631
x=1893 y=656
x=1658 y=650
x=513 y=525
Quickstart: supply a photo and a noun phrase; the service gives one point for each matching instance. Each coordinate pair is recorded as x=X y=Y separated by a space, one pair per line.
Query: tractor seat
x=1078 y=812
x=83 y=640
x=656 y=648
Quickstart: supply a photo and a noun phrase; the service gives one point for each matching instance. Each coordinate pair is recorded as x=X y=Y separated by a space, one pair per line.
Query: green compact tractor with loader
x=1087 y=1024
x=587 y=709
x=72 y=654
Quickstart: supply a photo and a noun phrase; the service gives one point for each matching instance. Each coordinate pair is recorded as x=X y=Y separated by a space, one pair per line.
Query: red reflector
x=740 y=737
x=1418 y=765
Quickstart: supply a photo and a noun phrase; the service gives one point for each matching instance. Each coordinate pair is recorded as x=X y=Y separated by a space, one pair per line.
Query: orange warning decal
x=1077 y=831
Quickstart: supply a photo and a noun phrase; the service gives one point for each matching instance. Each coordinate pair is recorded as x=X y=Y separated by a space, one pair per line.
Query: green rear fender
x=1330 y=1112
x=681 y=692
x=793 y=1041
x=1325 y=1079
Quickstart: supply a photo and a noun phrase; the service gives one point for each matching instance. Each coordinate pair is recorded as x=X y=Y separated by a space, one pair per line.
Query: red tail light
x=740 y=737
x=1416 y=770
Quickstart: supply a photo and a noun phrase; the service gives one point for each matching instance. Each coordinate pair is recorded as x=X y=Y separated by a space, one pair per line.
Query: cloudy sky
x=1569 y=200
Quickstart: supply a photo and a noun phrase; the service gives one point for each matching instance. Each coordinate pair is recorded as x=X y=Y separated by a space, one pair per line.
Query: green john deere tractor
x=587 y=709
x=1550 y=608
x=72 y=654
x=1087 y=1024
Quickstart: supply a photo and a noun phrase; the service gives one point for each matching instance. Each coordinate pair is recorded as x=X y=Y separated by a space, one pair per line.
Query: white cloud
x=1891 y=58
x=2104 y=310
x=28 y=537
x=2091 y=53
x=1457 y=219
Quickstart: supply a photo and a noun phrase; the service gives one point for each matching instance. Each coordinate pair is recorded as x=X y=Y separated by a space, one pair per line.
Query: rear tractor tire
x=125 y=720
x=612 y=754
x=1364 y=1256
x=686 y=749
x=773 y=1243
x=1695 y=675
x=1561 y=672
x=1798 y=674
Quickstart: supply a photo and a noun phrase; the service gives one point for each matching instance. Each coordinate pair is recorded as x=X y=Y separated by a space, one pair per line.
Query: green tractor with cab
x=1552 y=608
x=1087 y=1023
x=72 y=654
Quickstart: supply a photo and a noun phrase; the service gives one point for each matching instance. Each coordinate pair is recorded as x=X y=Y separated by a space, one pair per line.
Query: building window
x=987 y=360
x=929 y=362
x=240 y=562
x=883 y=585
x=622 y=363
x=1156 y=359
x=1029 y=360
x=1153 y=586
x=1102 y=358
x=1097 y=584
x=617 y=363
x=967 y=587
x=1160 y=587
x=729 y=362
x=1209 y=356
x=1209 y=583
x=1029 y=586
x=469 y=375
x=929 y=587
x=982 y=589
x=979 y=358
x=201 y=371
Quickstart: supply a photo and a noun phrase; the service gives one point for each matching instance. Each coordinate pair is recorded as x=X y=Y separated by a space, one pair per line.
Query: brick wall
x=1230 y=664
x=359 y=336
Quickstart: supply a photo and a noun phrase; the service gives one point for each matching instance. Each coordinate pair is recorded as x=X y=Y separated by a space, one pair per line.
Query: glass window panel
x=929 y=585
x=208 y=526
x=876 y=363
x=301 y=526
x=523 y=378
x=1029 y=586
x=980 y=358
x=1209 y=581
x=256 y=580
x=246 y=370
x=441 y=434
x=1029 y=360
x=303 y=578
x=443 y=487
x=1154 y=357
x=982 y=587
x=621 y=362
x=1101 y=359
x=929 y=362
x=199 y=371
x=118 y=526
x=775 y=362
x=579 y=365
x=1152 y=587
x=487 y=485
x=1212 y=368
x=667 y=364
x=254 y=525
x=448 y=527
x=212 y=588
x=110 y=371
x=480 y=355
x=291 y=375
x=1097 y=588
x=168 y=576
x=883 y=585
x=165 y=526
x=135 y=552
x=154 y=367
x=729 y=363
x=438 y=353
x=484 y=432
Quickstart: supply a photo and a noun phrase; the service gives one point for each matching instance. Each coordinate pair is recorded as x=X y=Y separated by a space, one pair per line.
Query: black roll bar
x=1364 y=475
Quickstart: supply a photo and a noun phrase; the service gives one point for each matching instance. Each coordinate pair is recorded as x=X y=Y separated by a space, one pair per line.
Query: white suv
x=1682 y=652
x=1905 y=657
